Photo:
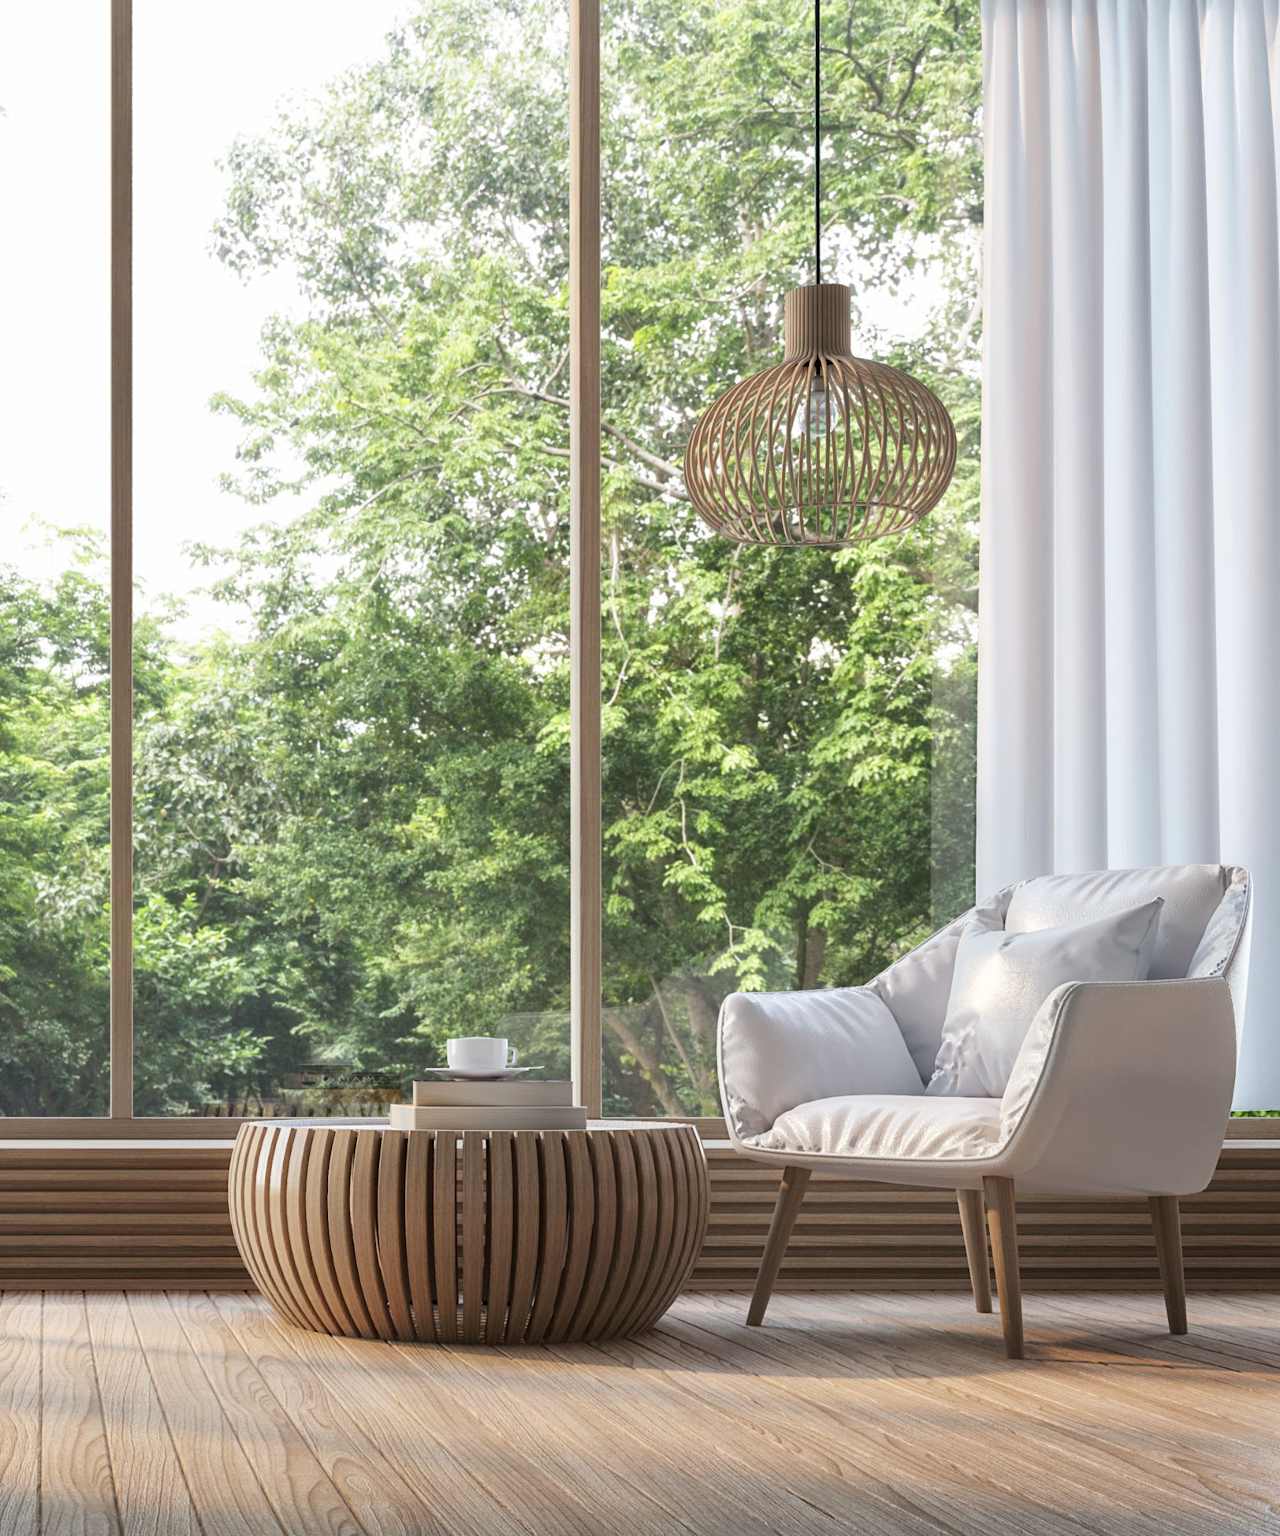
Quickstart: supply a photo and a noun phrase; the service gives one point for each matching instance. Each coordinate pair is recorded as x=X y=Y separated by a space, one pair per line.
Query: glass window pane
x=788 y=734
x=54 y=528
x=352 y=532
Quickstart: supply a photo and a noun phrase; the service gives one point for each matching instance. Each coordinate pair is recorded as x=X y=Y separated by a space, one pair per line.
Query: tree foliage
x=352 y=807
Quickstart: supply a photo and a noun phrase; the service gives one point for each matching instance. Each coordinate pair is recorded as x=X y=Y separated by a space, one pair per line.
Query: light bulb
x=821 y=411
x=818 y=419
x=818 y=414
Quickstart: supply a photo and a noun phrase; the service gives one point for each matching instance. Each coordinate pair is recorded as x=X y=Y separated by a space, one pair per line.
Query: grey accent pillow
x=1001 y=978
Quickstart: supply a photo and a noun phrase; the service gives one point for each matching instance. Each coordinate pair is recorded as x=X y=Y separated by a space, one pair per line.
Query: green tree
x=353 y=823
x=771 y=719
x=53 y=841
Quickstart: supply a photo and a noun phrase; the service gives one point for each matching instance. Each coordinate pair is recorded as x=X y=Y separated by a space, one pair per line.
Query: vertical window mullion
x=121 y=988
x=585 y=882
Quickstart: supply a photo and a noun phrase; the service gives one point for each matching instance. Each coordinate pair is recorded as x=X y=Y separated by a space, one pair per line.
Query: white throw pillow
x=1000 y=980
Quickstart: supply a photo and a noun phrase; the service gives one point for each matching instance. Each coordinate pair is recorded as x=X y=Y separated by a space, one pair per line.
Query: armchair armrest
x=780 y=1049
x=1123 y=1087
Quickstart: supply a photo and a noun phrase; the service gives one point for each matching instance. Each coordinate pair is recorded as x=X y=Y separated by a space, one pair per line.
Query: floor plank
x=77 y=1492
x=340 y=1434
x=767 y=1478
x=434 y=1459
x=509 y=1391
x=884 y=1414
x=226 y=1494
x=151 y=1491
x=503 y=1479
x=20 y=1343
x=300 y=1492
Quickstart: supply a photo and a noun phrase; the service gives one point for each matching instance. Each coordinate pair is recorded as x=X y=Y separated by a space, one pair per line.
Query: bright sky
x=201 y=75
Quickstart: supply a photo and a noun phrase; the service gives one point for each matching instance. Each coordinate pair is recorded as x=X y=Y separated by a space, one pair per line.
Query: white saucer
x=461 y=1075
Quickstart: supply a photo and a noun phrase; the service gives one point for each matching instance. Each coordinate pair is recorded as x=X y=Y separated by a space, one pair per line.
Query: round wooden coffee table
x=476 y=1237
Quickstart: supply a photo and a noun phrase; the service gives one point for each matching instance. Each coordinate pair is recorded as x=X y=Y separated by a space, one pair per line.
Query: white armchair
x=1120 y=1088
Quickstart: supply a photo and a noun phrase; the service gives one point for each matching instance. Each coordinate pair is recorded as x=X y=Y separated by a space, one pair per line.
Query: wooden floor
x=179 y=1413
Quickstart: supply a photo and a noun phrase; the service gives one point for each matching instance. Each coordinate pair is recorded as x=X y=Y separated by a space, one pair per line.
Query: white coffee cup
x=480 y=1053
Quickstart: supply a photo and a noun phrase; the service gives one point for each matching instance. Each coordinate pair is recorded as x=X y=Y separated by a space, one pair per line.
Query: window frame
x=585 y=604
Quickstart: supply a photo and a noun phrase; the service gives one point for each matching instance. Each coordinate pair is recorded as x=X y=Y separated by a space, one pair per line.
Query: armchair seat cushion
x=882 y=1125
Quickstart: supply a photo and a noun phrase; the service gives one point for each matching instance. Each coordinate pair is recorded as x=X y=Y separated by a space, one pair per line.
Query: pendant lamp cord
x=817 y=136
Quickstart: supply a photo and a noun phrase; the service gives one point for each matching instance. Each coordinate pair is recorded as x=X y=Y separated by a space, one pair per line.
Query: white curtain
x=1129 y=650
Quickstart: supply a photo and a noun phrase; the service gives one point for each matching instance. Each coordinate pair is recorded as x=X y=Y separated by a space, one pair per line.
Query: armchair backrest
x=1204 y=931
x=1191 y=892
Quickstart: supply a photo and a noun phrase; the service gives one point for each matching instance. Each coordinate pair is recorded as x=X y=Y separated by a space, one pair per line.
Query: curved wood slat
x=672 y=1224
x=473 y=1234
x=600 y=1147
x=251 y=1246
x=695 y=1166
x=341 y=1237
x=240 y=1201
x=364 y=1231
x=238 y=1175
x=528 y=1219
x=686 y=1149
x=291 y=1231
x=261 y=1196
x=564 y=1235
x=581 y=1213
x=317 y=1226
x=500 y=1214
x=666 y=1194
x=647 y=1203
x=554 y=1234
x=701 y=1203
x=444 y=1234
x=686 y=1153
x=417 y=1234
x=295 y=1231
x=624 y=1248
x=391 y=1232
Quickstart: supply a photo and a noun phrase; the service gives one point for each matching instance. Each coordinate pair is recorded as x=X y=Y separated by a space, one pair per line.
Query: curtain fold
x=1129 y=626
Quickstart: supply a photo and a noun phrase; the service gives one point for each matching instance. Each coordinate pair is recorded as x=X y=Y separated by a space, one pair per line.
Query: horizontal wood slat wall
x=110 y=1215
x=878 y=1237
x=107 y=1215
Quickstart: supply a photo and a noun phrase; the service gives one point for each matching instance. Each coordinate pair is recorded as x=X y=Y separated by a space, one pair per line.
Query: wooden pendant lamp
x=824 y=448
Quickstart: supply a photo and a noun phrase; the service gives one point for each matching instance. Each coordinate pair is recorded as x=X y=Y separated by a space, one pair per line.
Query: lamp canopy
x=824 y=448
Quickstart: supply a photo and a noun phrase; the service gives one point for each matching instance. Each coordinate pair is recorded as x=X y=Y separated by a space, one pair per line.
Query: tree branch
x=654 y=461
x=650 y=1066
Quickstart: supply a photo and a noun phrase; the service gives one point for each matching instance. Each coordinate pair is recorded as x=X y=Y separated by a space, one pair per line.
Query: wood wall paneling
x=112 y=1216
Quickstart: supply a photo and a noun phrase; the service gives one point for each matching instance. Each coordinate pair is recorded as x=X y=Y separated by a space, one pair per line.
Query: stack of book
x=490 y=1106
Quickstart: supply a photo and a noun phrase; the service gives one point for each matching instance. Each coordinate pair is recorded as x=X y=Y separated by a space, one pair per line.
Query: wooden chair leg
x=1167 y=1221
x=1002 y=1215
x=973 y=1222
x=794 y=1183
